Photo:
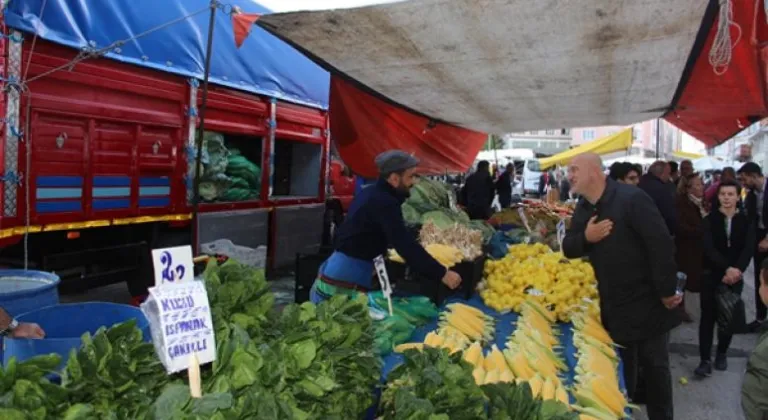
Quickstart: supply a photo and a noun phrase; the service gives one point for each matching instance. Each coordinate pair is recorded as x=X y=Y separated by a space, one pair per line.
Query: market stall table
x=504 y=328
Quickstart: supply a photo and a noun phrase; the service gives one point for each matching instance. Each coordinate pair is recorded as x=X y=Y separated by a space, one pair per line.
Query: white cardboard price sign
x=173 y=265
x=386 y=286
x=180 y=320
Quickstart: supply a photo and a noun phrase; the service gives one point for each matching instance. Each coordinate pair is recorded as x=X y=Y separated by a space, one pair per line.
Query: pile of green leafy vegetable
x=239 y=295
x=432 y=384
x=115 y=373
x=435 y=202
x=510 y=401
x=308 y=362
x=316 y=361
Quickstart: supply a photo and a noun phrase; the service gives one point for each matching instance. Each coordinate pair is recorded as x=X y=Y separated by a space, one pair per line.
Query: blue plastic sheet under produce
x=504 y=328
x=263 y=64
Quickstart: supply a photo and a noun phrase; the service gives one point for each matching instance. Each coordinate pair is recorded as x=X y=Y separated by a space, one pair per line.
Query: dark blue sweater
x=374 y=223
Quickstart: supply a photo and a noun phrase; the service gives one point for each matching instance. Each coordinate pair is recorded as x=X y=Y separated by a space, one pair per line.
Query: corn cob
x=548 y=390
x=479 y=375
x=474 y=355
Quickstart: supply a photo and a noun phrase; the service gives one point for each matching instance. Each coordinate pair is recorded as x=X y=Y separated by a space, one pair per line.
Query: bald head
x=585 y=173
x=590 y=161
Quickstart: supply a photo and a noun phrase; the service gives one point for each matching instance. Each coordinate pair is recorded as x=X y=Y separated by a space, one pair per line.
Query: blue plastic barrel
x=26 y=290
x=65 y=324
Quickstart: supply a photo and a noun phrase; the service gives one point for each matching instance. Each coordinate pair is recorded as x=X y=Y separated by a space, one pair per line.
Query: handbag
x=731 y=315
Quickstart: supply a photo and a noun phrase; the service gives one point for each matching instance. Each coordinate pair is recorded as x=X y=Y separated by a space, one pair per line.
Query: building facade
x=643 y=138
x=542 y=142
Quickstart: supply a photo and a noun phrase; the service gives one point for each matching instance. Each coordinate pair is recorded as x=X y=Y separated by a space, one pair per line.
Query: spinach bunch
x=432 y=385
x=316 y=362
x=238 y=294
x=509 y=401
x=175 y=403
x=115 y=373
x=25 y=393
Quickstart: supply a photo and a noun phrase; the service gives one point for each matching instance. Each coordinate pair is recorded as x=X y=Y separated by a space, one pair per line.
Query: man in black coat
x=622 y=232
x=656 y=183
x=756 y=206
x=479 y=192
x=504 y=186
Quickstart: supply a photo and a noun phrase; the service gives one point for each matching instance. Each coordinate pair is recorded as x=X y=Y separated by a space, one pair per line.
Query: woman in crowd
x=728 y=241
x=690 y=214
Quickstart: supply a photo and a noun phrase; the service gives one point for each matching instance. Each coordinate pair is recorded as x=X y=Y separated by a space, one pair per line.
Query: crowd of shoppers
x=643 y=231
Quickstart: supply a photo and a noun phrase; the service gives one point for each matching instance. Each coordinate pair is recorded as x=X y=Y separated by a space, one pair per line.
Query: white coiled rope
x=722 y=47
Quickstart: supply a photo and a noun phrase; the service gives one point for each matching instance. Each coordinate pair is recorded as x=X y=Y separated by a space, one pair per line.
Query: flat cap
x=751 y=168
x=395 y=161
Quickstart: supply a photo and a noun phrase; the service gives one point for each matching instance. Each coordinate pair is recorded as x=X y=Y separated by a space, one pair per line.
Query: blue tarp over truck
x=264 y=64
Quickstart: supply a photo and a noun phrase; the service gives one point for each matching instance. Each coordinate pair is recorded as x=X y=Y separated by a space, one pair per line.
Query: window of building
x=588 y=135
x=550 y=132
x=231 y=167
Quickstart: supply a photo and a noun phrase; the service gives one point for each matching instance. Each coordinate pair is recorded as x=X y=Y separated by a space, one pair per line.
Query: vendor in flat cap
x=373 y=224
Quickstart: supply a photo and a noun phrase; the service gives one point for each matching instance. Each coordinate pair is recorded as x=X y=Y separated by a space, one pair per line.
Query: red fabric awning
x=364 y=125
x=712 y=107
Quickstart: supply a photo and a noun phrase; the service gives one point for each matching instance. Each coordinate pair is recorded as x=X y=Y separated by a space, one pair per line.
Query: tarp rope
x=28 y=145
x=722 y=47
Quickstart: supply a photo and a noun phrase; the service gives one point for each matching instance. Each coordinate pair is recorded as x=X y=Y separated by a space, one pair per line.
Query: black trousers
x=652 y=355
x=708 y=320
x=758 y=260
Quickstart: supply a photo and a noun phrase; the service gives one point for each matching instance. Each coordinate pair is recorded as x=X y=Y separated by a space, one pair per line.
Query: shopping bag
x=731 y=316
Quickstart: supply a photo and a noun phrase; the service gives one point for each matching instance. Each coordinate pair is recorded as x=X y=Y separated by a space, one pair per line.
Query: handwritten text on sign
x=173 y=265
x=180 y=318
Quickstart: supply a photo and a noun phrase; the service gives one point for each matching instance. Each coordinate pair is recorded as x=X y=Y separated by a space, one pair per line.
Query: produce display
x=534 y=271
x=446 y=255
x=435 y=202
x=596 y=387
x=525 y=380
x=227 y=174
x=538 y=219
x=467 y=240
x=433 y=384
x=309 y=361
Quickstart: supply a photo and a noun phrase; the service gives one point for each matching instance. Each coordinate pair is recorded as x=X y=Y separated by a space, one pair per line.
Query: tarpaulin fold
x=602 y=146
x=363 y=125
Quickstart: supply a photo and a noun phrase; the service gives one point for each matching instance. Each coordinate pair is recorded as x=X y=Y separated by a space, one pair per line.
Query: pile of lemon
x=536 y=272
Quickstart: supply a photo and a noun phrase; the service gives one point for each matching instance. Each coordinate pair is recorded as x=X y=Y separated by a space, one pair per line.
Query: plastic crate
x=307 y=267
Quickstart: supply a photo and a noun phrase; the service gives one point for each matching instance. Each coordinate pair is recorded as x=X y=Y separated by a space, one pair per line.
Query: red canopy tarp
x=364 y=125
x=713 y=107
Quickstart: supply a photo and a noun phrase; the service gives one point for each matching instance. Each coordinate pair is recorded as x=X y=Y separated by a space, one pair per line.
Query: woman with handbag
x=728 y=246
x=689 y=250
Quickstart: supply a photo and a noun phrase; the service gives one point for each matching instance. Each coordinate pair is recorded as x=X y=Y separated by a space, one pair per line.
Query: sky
x=294 y=5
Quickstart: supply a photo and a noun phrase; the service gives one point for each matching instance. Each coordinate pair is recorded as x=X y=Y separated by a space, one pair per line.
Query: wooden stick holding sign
x=386 y=287
x=193 y=372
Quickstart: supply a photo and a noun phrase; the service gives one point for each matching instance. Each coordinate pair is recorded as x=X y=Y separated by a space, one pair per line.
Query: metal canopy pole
x=658 y=136
x=201 y=130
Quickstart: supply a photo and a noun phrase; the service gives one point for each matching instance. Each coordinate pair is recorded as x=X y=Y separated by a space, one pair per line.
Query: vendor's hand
x=672 y=301
x=762 y=246
x=28 y=330
x=452 y=279
x=596 y=232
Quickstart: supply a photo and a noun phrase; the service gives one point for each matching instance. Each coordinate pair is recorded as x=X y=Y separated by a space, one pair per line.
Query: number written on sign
x=171 y=273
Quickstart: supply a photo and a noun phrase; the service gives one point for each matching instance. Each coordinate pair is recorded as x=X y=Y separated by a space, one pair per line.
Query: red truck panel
x=109 y=139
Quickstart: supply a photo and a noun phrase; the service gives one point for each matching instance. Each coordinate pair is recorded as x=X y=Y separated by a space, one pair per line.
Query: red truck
x=97 y=167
